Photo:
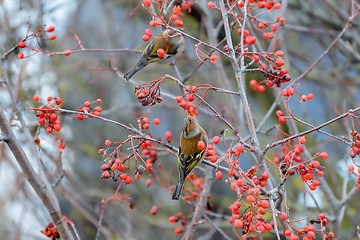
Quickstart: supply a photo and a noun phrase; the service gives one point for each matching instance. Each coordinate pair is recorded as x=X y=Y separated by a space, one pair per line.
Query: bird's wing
x=187 y=162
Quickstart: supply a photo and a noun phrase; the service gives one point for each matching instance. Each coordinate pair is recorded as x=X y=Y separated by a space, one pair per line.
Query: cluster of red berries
x=185 y=5
x=144 y=122
x=179 y=217
x=51 y=232
x=47 y=115
x=251 y=218
x=114 y=164
x=86 y=108
x=277 y=76
x=148 y=95
x=306 y=171
x=356 y=143
x=37 y=34
x=186 y=101
x=256 y=86
x=352 y=170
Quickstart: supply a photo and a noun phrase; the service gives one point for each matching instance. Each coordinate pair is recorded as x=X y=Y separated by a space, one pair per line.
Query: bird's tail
x=132 y=71
x=177 y=192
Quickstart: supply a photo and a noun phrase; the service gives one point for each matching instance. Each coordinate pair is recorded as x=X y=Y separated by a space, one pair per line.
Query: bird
x=189 y=155
x=169 y=40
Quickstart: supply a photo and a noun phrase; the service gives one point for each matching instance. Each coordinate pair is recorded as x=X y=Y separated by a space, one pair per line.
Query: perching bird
x=189 y=154
x=169 y=40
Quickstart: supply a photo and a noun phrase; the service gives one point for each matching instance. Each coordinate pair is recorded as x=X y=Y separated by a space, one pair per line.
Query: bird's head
x=190 y=127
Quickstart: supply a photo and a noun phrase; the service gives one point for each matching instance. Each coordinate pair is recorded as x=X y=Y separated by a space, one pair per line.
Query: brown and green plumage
x=189 y=155
x=170 y=41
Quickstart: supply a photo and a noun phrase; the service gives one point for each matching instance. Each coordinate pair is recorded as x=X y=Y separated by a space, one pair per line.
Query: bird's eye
x=189 y=120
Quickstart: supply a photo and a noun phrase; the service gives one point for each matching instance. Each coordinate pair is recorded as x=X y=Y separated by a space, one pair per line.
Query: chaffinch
x=169 y=40
x=189 y=154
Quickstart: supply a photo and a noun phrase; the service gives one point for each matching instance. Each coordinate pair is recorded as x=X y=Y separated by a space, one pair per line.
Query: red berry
x=156 y=121
x=145 y=120
x=145 y=38
x=148 y=32
x=172 y=219
x=277 y=6
x=53 y=117
x=41 y=121
x=67 y=52
x=79 y=117
x=279 y=53
x=148 y=182
x=50 y=28
x=219 y=174
x=190 y=97
x=147 y=3
x=291 y=91
x=179 y=98
x=21 y=45
x=194 y=89
x=323 y=155
x=161 y=52
x=241 y=3
x=213 y=159
x=154 y=210
x=211 y=4
x=250 y=198
x=106 y=174
x=283 y=216
x=87 y=103
x=52 y=36
x=281 y=120
x=239 y=148
x=107 y=142
x=20 y=55
x=97 y=108
x=57 y=127
x=302 y=140
x=201 y=145
x=178 y=230
x=152 y=23
x=128 y=180
x=168 y=134
x=253 y=83
x=216 y=140
x=36 y=97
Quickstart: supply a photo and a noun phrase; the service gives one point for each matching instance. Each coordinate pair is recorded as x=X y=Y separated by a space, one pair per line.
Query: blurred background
x=310 y=28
